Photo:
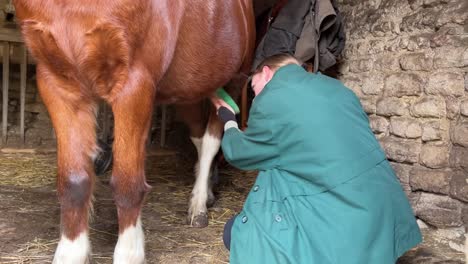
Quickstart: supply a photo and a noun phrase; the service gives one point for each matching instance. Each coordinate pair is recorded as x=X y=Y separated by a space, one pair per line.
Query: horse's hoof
x=199 y=221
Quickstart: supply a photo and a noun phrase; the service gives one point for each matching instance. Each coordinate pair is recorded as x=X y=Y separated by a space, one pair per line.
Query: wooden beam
x=23 y=84
x=6 y=74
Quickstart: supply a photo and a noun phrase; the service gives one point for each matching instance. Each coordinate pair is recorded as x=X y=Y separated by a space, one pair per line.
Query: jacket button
x=244 y=219
x=278 y=218
x=256 y=187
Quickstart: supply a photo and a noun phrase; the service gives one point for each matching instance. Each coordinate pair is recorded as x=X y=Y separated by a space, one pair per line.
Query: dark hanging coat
x=306 y=29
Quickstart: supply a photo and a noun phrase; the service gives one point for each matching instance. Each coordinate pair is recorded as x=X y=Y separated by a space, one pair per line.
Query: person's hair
x=277 y=61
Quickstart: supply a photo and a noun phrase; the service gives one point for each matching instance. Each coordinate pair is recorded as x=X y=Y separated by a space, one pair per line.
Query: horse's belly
x=185 y=91
x=207 y=54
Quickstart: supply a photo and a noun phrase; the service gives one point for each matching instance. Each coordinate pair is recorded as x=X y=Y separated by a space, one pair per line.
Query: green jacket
x=325 y=192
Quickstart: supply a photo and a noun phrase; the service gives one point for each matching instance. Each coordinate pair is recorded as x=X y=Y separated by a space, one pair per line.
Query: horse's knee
x=76 y=190
x=128 y=193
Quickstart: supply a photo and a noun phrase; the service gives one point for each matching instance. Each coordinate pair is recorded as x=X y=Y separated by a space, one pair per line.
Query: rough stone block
x=403 y=173
x=466 y=81
x=413 y=198
x=435 y=155
x=405 y=127
x=453 y=107
x=372 y=84
x=459 y=133
x=378 y=124
x=429 y=107
x=353 y=83
x=34 y=133
x=384 y=27
x=387 y=63
x=392 y=106
x=35 y=108
x=465 y=219
x=401 y=150
x=464 y=107
x=446 y=84
x=459 y=157
x=376 y=46
x=392 y=45
x=455 y=11
x=440 y=211
x=416 y=62
x=419 y=42
x=435 y=181
x=401 y=84
x=423 y=19
x=369 y=104
x=363 y=65
x=435 y=130
x=447 y=57
x=459 y=186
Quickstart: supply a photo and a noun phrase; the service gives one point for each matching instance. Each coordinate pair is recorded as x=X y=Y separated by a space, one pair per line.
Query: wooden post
x=6 y=74
x=163 y=125
x=244 y=105
x=23 y=84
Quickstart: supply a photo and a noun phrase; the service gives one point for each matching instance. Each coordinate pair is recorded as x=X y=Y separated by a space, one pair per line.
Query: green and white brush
x=222 y=94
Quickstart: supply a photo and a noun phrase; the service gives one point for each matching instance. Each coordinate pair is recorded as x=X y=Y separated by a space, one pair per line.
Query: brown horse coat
x=130 y=53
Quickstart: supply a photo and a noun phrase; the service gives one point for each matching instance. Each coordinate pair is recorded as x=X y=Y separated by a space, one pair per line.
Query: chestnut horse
x=130 y=53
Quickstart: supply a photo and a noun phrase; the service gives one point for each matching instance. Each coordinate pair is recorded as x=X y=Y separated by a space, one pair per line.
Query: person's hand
x=226 y=115
x=224 y=111
x=218 y=102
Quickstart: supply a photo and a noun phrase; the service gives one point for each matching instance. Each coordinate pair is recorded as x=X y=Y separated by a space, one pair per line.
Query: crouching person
x=325 y=192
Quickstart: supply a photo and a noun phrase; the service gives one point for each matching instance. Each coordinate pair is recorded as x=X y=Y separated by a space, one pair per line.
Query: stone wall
x=408 y=62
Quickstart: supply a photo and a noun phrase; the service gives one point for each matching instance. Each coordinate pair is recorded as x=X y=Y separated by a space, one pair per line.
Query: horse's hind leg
x=74 y=123
x=132 y=114
x=207 y=140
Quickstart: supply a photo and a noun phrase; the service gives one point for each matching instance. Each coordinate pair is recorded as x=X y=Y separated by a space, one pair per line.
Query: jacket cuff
x=230 y=124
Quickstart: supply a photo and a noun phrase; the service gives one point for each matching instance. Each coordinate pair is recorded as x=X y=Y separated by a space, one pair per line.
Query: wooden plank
x=28 y=150
x=24 y=66
x=6 y=74
x=15 y=151
x=10 y=33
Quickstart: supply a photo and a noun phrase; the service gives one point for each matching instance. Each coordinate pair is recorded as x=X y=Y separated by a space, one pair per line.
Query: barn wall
x=37 y=123
x=408 y=63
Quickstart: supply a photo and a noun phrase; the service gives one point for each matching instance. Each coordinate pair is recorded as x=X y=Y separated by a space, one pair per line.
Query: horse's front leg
x=74 y=122
x=132 y=113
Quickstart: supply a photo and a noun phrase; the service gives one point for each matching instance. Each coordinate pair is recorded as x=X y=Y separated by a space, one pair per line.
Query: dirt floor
x=29 y=222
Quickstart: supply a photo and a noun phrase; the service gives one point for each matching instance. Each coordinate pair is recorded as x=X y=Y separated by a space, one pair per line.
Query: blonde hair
x=277 y=61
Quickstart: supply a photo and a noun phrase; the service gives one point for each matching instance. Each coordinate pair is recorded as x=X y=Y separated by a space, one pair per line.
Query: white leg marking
x=73 y=252
x=198 y=144
x=209 y=148
x=130 y=248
